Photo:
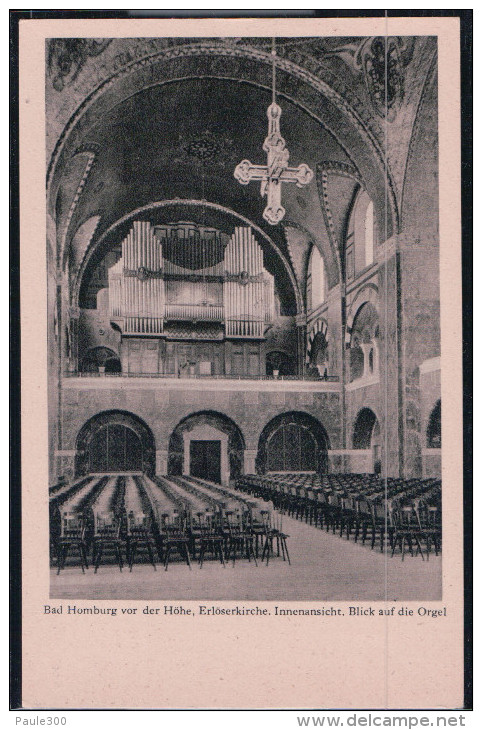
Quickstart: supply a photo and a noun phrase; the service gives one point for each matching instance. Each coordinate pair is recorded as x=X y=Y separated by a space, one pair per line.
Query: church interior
x=244 y=318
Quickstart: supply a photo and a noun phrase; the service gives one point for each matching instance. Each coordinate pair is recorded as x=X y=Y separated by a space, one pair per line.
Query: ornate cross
x=276 y=171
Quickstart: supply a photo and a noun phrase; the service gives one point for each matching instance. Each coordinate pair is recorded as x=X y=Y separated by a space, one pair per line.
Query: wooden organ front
x=190 y=300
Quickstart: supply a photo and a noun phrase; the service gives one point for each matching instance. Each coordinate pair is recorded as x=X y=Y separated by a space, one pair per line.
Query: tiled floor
x=324 y=567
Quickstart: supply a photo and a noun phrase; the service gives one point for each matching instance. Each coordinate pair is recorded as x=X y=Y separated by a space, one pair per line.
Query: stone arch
x=281 y=361
x=333 y=105
x=363 y=428
x=207 y=426
x=317 y=329
x=293 y=441
x=363 y=345
x=264 y=240
x=368 y=293
x=424 y=131
x=367 y=435
x=134 y=433
x=100 y=357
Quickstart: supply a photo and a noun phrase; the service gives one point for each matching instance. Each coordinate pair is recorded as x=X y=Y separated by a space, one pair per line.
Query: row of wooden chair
x=114 y=535
x=403 y=518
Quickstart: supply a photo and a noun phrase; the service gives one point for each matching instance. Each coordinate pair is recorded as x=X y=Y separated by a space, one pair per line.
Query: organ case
x=188 y=273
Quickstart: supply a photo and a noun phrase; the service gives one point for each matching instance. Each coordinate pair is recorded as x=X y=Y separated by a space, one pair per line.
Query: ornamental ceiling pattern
x=116 y=98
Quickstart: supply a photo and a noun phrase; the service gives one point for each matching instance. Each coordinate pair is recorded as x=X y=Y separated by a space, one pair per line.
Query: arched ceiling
x=149 y=148
x=142 y=131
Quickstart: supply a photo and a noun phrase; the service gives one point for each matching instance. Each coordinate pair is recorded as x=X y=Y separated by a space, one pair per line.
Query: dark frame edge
x=15 y=534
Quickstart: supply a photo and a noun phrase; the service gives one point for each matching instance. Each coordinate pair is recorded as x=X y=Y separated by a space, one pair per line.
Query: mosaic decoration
x=67 y=56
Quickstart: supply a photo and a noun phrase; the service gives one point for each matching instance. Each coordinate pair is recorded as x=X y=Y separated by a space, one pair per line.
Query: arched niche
x=363 y=344
x=100 y=359
x=115 y=441
x=207 y=444
x=367 y=436
x=317 y=352
x=280 y=363
x=292 y=442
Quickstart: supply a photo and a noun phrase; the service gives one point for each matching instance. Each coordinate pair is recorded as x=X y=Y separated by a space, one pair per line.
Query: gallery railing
x=171 y=376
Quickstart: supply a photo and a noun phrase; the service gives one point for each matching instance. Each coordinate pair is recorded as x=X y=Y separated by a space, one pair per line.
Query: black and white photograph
x=242 y=268
x=244 y=346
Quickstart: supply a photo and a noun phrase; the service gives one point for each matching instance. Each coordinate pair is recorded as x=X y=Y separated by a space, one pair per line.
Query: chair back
x=107 y=525
x=138 y=523
x=72 y=525
x=206 y=523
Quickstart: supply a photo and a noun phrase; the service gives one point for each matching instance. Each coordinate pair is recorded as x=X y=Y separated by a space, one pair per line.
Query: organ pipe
x=136 y=289
x=140 y=298
x=248 y=288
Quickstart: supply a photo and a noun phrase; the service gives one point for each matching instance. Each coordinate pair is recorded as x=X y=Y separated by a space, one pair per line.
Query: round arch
x=334 y=107
x=330 y=104
x=366 y=435
x=293 y=441
x=363 y=428
x=115 y=441
x=264 y=239
x=207 y=444
x=317 y=329
x=279 y=362
x=368 y=294
x=100 y=357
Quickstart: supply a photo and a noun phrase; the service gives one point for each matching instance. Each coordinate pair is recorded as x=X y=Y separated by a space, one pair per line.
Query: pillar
x=250 y=461
x=161 y=462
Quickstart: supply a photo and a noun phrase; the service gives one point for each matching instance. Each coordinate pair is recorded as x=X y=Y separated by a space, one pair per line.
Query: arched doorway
x=208 y=445
x=293 y=441
x=319 y=354
x=115 y=441
x=365 y=332
x=366 y=436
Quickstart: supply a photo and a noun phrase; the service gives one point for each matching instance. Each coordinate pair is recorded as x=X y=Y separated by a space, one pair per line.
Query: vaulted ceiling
x=165 y=133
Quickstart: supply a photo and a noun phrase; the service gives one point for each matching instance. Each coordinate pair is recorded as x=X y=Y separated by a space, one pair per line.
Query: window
x=316 y=279
x=360 y=241
x=369 y=234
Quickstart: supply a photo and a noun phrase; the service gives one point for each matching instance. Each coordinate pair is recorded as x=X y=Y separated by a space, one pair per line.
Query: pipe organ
x=187 y=273
x=248 y=289
x=136 y=287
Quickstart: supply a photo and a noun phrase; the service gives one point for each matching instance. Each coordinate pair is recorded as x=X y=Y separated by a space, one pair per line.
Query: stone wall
x=162 y=404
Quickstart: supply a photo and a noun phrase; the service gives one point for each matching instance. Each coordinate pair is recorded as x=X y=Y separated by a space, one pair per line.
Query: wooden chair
x=107 y=536
x=274 y=532
x=208 y=531
x=407 y=530
x=174 y=536
x=239 y=536
x=72 y=536
x=139 y=536
x=429 y=518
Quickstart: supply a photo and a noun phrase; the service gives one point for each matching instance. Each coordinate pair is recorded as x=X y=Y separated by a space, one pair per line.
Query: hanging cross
x=276 y=171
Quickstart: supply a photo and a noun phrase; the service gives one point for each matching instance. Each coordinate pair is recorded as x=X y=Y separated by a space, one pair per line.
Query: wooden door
x=205 y=460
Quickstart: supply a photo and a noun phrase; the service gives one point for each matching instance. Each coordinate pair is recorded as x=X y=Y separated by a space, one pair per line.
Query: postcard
x=241 y=313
